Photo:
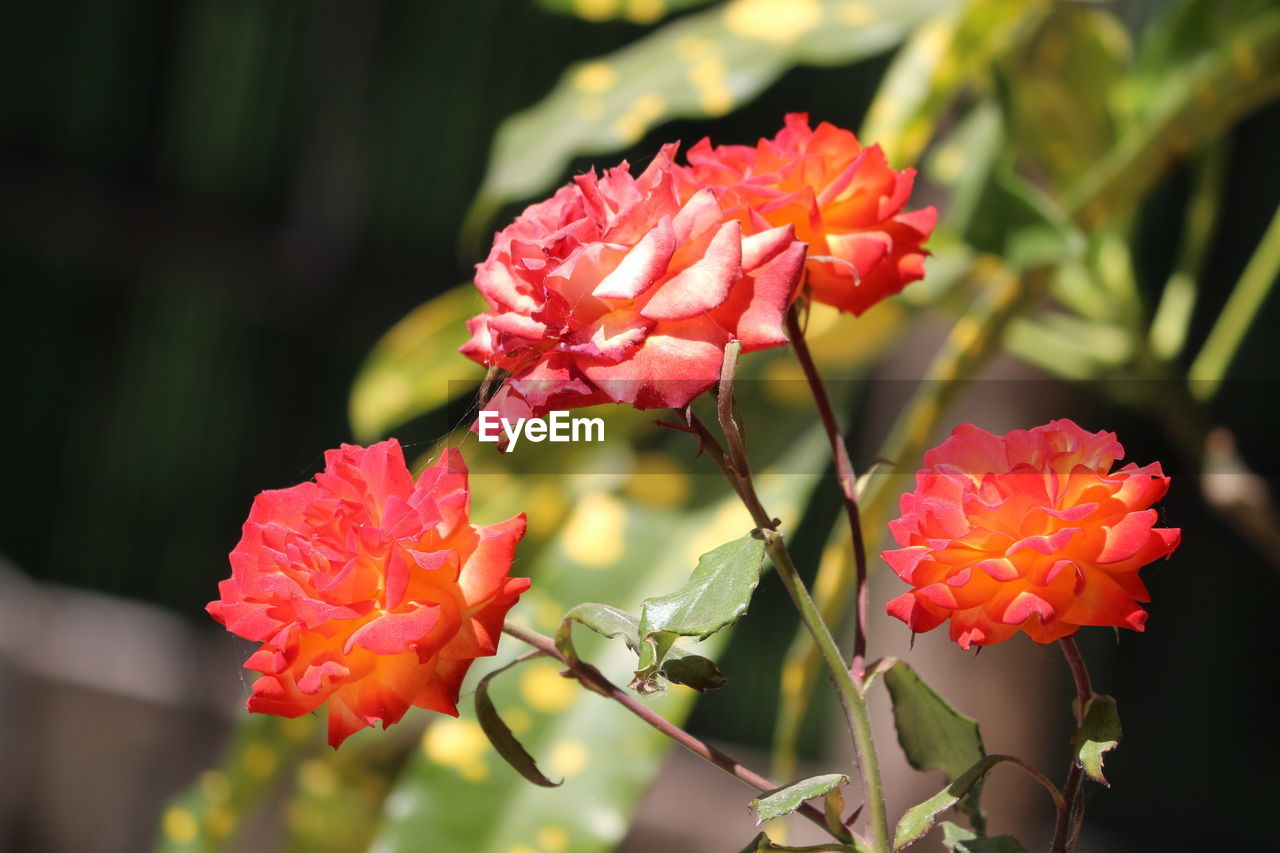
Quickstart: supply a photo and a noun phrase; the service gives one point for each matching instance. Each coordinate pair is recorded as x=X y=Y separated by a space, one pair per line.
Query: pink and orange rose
x=621 y=289
x=367 y=590
x=843 y=200
x=1033 y=531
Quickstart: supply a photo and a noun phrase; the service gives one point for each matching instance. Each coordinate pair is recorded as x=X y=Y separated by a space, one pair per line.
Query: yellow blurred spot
x=474 y=771
x=778 y=21
x=659 y=480
x=298 y=727
x=1246 y=63
x=547 y=504
x=180 y=825
x=855 y=14
x=708 y=77
x=553 y=839
x=822 y=319
x=317 y=778
x=215 y=785
x=596 y=10
x=792 y=678
x=593 y=536
x=715 y=102
x=459 y=744
x=259 y=760
x=518 y=720
x=965 y=331
x=708 y=72
x=595 y=77
x=916 y=137
x=568 y=757
x=645 y=11
x=692 y=47
x=633 y=123
x=842 y=340
x=545 y=689
x=785 y=385
x=831 y=568
x=948 y=163
x=221 y=821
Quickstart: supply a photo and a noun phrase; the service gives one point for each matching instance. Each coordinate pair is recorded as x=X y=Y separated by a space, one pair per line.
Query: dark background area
x=211 y=210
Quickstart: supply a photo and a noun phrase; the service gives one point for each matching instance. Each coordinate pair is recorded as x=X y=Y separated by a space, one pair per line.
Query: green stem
x=595 y=681
x=1210 y=366
x=848 y=487
x=851 y=700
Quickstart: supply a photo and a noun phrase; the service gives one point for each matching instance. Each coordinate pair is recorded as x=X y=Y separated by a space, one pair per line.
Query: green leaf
x=416 y=367
x=500 y=735
x=704 y=64
x=1099 y=733
x=609 y=622
x=918 y=819
x=716 y=595
x=693 y=671
x=933 y=734
x=960 y=840
x=785 y=800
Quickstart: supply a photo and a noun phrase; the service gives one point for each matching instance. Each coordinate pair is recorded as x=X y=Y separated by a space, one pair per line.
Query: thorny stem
x=1072 y=808
x=848 y=486
x=851 y=700
x=594 y=680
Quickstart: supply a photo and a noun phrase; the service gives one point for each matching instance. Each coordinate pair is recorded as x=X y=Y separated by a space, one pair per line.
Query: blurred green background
x=212 y=211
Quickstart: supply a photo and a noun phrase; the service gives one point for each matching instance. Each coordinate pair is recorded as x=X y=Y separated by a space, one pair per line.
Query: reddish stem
x=595 y=680
x=848 y=487
x=1071 y=810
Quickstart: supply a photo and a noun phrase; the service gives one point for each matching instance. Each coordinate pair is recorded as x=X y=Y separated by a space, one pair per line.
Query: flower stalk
x=848 y=487
x=735 y=466
x=594 y=680
x=1071 y=809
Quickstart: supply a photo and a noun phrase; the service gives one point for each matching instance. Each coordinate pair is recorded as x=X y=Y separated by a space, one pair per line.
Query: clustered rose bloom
x=843 y=200
x=368 y=590
x=620 y=289
x=1032 y=531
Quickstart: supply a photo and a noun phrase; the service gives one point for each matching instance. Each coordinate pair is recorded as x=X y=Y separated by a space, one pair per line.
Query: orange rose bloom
x=842 y=199
x=1031 y=531
x=368 y=590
